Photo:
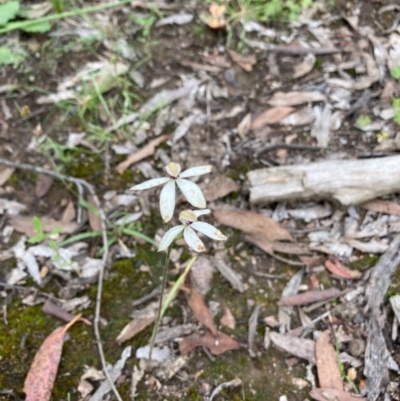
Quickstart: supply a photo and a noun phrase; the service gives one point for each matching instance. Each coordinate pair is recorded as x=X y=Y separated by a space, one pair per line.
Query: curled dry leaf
x=303 y=116
x=201 y=312
x=217 y=345
x=338 y=269
x=43 y=371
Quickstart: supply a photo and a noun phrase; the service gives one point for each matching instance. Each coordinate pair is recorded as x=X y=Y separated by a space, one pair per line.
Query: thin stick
x=82 y=183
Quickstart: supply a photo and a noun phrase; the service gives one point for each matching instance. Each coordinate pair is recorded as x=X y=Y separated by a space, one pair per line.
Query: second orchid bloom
x=188 y=218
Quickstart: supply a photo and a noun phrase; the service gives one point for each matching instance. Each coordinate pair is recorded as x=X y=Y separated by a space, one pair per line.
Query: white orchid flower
x=190 y=190
x=188 y=218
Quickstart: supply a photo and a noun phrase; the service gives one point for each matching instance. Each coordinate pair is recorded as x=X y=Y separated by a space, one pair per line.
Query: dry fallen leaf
x=134 y=327
x=217 y=345
x=252 y=223
x=200 y=311
x=219 y=187
x=24 y=224
x=228 y=320
x=305 y=66
x=244 y=126
x=295 y=98
x=94 y=217
x=43 y=371
x=43 y=184
x=338 y=269
x=141 y=154
x=309 y=297
x=327 y=367
x=329 y=394
x=5 y=174
x=69 y=213
x=244 y=62
x=382 y=206
x=300 y=347
x=271 y=116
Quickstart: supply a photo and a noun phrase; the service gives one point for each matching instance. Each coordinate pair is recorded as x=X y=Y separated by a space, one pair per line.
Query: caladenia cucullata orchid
x=189 y=219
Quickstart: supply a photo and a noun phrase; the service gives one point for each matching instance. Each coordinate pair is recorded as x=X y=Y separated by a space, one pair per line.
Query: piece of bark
x=377 y=356
x=300 y=347
x=354 y=181
x=329 y=375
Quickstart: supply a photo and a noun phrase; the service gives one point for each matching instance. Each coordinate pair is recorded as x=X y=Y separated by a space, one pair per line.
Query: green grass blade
x=137 y=234
x=79 y=237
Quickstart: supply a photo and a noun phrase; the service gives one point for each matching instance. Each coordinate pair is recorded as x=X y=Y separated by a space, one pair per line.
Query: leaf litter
x=212 y=117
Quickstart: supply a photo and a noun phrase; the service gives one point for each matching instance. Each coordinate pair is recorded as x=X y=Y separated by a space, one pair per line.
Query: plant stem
x=159 y=317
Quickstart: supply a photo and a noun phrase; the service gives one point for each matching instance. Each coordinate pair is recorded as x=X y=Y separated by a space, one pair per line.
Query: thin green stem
x=163 y=285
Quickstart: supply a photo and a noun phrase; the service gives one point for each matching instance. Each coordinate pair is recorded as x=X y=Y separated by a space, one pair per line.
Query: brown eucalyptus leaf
x=94 y=217
x=43 y=371
x=201 y=312
x=43 y=185
x=295 y=98
x=340 y=270
x=271 y=116
x=252 y=223
x=327 y=367
x=217 y=345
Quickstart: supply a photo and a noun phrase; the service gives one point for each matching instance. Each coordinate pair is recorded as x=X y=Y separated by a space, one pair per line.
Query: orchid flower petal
x=194 y=171
x=201 y=212
x=209 y=230
x=192 y=193
x=150 y=183
x=167 y=201
x=193 y=240
x=169 y=237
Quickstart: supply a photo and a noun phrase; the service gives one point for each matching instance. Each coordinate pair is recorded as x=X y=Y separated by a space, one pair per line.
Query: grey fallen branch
x=80 y=183
x=378 y=360
x=349 y=181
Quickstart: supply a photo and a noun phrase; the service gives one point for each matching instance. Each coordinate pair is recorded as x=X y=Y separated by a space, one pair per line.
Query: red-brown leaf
x=200 y=310
x=43 y=371
x=217 y=345
x=340 y=270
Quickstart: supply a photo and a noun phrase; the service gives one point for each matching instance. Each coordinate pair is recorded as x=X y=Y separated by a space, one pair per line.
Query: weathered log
x=349 y=181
